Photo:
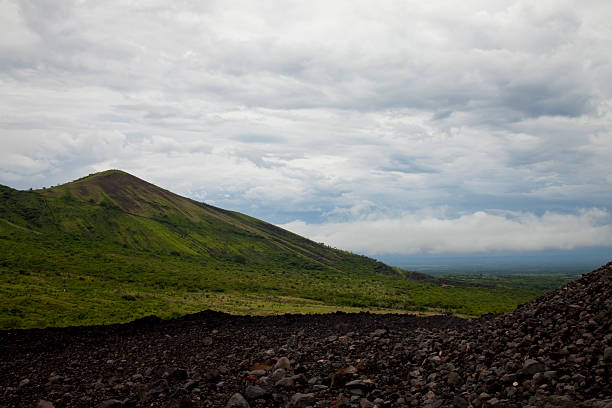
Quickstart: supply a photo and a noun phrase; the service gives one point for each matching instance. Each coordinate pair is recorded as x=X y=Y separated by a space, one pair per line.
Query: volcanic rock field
x=555 y=351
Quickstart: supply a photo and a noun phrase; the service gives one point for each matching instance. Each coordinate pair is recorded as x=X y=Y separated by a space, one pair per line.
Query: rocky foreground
x=555 y=351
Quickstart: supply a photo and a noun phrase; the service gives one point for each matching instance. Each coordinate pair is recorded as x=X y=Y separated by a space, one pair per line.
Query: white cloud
x=316 y=111
x=471 y=233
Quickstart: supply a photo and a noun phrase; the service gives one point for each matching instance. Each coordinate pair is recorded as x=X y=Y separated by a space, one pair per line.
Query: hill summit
x=130 y=193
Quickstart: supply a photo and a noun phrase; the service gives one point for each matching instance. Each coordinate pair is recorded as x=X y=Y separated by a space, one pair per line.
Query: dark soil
x=553 y=352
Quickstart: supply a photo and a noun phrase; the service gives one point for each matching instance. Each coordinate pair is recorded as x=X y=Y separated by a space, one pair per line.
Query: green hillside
x=111 y=247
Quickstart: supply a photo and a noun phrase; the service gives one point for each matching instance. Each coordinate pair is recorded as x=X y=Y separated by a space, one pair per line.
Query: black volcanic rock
x=555 y=351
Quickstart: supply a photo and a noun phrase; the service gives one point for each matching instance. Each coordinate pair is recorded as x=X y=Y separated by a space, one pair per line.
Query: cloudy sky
x=387 y=127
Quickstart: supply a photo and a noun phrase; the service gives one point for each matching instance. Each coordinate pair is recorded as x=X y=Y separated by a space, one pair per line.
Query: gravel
x=555 y=351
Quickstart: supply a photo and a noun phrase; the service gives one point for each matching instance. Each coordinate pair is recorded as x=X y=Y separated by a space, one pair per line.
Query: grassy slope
x=111 y=248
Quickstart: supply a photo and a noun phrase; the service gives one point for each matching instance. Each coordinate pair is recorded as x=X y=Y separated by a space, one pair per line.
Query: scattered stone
x=212 y=375
x=278 y=374
x=111 y=403
x=365 y=403
x=253 y=392
x=493 y=402
x=453 y=378
x=237 y=401
x=608 y=354
x=558 y=401
x=177 y=374
x=190 y=385
x=302 y=400
x=460 y=402
x=55 y=379
x=378 y=333
x=531 y=367
x=283 y=363
x=358 y=387
x=286 y=382
x=158 y=387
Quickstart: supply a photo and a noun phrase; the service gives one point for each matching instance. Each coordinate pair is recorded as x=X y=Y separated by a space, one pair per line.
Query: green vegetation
x=111 y=248
x=529 y=281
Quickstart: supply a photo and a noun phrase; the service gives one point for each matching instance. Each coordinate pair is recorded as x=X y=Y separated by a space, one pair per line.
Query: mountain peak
x=111 y=173
x=126 y=191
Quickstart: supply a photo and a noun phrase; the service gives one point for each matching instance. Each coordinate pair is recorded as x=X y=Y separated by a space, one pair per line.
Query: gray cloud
x=254 y=138
x=320 y=112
